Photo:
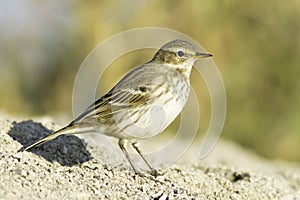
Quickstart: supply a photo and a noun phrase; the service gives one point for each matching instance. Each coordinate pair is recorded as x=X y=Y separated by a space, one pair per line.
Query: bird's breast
x=151 y=118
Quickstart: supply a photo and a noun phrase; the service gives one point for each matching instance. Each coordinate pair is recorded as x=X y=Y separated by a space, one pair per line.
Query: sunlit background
x=256 y=45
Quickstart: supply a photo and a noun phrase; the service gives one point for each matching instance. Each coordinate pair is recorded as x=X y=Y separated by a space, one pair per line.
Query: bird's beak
x=202 y=55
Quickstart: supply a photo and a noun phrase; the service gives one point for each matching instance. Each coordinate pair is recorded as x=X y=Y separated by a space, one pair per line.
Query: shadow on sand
x=67 y=150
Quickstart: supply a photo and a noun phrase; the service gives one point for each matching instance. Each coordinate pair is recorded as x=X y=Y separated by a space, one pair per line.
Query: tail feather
x=55 y=134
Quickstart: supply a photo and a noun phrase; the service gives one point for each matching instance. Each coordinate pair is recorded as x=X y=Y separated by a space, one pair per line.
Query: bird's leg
x=122 y=143
x=135 y=145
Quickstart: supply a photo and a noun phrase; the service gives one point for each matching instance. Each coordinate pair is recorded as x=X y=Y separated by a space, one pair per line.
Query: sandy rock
x=70 y=168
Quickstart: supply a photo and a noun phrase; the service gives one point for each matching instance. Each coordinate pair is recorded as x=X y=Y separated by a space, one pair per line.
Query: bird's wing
x=133 y=90
x=115 y=101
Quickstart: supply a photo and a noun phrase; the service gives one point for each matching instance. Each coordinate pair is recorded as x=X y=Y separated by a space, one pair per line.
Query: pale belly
x=152 y=119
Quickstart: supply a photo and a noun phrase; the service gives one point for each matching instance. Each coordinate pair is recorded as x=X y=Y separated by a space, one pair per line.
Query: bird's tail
x=70 y=129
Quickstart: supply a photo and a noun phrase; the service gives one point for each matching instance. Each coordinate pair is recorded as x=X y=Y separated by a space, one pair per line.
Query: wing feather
x=116 y=101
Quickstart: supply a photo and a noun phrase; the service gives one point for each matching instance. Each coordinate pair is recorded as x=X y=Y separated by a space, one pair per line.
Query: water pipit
x=143 y=103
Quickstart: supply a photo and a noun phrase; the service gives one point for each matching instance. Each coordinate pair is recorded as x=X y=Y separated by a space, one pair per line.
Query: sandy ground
x=71 y=168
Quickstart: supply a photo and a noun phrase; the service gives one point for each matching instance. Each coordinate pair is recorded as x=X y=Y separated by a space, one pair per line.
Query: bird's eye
x=180 y=53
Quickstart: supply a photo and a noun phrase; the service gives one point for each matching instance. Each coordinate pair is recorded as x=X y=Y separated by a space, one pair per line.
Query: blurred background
x=256 y=45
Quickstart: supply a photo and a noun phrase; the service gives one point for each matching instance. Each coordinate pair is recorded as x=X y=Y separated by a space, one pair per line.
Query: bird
x=143 y=102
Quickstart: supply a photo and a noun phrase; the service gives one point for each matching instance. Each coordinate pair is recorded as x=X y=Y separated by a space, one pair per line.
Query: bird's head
x=179 y=55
